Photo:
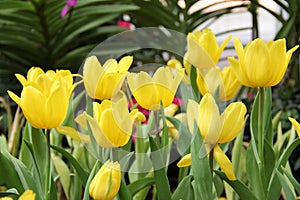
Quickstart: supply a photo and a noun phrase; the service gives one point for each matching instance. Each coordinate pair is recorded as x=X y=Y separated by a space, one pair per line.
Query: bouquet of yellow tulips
x=116 y=137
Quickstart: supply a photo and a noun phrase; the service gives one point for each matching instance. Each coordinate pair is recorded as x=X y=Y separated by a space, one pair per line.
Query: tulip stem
x=211 y=158
x=261 y=124
x=48 y=172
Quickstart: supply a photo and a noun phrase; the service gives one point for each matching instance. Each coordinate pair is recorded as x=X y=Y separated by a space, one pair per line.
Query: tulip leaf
x=82 y=173
x=124 y=191
x=185 y=189
x=287 y=153
x=241 y=189
x=193 y=77
x=89 y=180
x=14 y=174
x=140 y=184
x=24 y=151
x=292 y=179
x=200 y=168
x=161 y=179
x=63 y=172
x=286 y=186
x=185 y=137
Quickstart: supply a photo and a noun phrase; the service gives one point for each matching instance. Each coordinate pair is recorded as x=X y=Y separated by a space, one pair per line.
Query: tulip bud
x=106 y=183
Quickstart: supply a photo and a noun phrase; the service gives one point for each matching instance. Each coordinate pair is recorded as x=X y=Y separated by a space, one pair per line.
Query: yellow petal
x=224 y=163
x=210 y=124
x=296 y=125
x=27 y=195
x=92 y=73
x=74 y=134
x=192 y=113
x=235 y=112
x=33 y=106
x=14 y=97
x=125 y=63
x=135 y=114
x=185 y=161
x=56 y=106
x=197 y=55
x=21 y=79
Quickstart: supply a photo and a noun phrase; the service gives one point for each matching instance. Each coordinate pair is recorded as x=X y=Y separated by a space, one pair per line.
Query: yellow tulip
x=111 y=123
x=216 y=128
x=150 y=91
x=102 y=82
x=203 y=50
x=176 y=65
x=296 y=125
x=106 y=183
x=27 y=195
x=261 y=64
x=45 y=96
x=224 y=79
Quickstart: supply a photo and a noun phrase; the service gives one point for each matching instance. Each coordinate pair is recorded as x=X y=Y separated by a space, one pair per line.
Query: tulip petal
x=210 y=122
x=27 y=195
x=224 y=163
x=135 y=114
x=235 y=112
x=92 y=73
x=33 y=107
x=125 y=63
x=74 y=134
x=14 y=97
x=185 y=161
x=296 y=125
x=56 y=106
x=192 y=115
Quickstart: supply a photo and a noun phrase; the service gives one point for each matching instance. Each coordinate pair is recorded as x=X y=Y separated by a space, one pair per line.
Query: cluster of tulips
x=203 y=131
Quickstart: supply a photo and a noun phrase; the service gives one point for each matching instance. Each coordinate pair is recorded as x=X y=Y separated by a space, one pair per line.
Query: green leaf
x=287 y=153
x=291 y=179
x=124 y=192
x=161 y=179
x=140 y=184
x=240 y=188
x=200 y=168
x=193 y=77
x=286 y=187
x=185 y=137
x=82 y=173
x=63 y=173
x=185 y=189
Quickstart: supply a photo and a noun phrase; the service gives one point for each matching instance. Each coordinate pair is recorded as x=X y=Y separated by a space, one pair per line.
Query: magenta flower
x=69 y=3
x=123 y=23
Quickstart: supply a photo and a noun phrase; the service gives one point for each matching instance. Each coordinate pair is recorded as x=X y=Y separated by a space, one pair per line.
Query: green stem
x=211 y=158
x=48 y=165
x=261 y=127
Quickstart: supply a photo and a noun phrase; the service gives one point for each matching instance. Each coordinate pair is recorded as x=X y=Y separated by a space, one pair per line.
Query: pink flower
x=123 y=23
x=69 y=3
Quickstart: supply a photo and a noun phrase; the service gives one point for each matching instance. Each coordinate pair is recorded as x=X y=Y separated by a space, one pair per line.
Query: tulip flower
x=111 y=123
x=150 y=91
x=261 y=64
x=224 y=79
x=102 y=82
x=203 y=50
x=45 y=96
x=106 y=184
x=215 y=128
x=296 y=125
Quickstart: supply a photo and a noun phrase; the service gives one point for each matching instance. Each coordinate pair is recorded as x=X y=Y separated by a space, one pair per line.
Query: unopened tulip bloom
x=102 y=82
x=203 y=50
x=111 y=123
x=224 y=79
x=45 y=96
x=261 y=64
x=106 y=184
x=216 y=128
x=150 y=91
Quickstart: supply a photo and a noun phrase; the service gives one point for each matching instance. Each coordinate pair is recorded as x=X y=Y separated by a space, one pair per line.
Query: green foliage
x=33 y=33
